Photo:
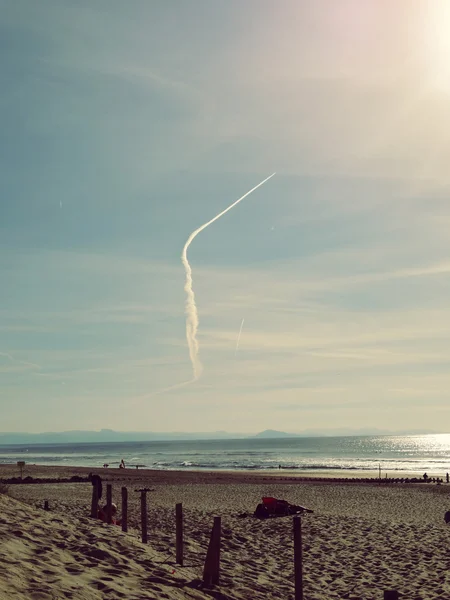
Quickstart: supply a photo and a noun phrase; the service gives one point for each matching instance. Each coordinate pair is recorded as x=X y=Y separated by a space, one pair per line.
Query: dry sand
x=361 y=540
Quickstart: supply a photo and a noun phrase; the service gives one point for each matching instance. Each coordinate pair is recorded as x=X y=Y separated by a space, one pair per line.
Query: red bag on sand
x=274 y=506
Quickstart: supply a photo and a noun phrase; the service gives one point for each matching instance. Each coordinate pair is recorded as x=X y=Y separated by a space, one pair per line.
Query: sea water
x=394 y=456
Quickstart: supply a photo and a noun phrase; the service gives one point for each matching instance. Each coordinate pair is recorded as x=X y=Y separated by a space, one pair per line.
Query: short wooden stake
x=144 y=516
x=46 y=507
x=179 y=533
x=124 y=509
x=211 y=571
x=109 y=503
x=298 y=558
x=391 y=595
x=94 y=504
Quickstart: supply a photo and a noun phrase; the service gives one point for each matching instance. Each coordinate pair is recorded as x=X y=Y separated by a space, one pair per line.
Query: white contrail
x=191 y=307
x=239 y=337
x=22 y=362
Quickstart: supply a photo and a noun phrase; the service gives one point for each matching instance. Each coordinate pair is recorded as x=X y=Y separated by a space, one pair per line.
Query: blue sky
x=124 y=126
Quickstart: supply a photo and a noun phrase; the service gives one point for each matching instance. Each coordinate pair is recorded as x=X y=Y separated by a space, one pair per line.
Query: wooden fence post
x=211 y=569
x=391 y=595
x=218 y=532
x=46 y=506
x=143 y=493
x=298 y=558
x=109 y=503
x=144 y=516
x=179 y=533
x=124 y=509
x=94 y=504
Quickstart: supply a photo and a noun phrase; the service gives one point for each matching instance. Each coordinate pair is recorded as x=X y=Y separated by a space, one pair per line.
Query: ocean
x=396 y=456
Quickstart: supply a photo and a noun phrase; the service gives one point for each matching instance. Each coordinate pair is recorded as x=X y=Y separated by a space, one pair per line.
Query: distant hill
x=110 y=436
x=272 y=433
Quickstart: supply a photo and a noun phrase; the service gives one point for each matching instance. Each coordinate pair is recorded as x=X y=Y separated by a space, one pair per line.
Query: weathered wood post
x=391 y=595
x=143 y=493
x=21 y=465
x=211 y=571
x=179 y=533
x=298 y=558
x=46 y=507
x=94 y=503
x=216 y=563
x=124 y=509
x=144 y=516
x=109 y=503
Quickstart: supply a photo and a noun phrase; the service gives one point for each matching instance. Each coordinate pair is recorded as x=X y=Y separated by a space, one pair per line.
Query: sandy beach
x=361 y=539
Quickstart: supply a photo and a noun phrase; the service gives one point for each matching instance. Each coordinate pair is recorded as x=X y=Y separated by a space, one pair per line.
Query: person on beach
x=103 y=514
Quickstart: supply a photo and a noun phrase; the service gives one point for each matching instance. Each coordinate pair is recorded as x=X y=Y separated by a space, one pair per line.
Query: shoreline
x=9 y=470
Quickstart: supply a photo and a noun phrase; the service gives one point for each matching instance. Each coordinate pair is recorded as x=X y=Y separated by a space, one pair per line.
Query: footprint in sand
x=75 y=570
x=39 y=595
x=103 y=587
x=102 y=555
x=114 y=572
x=50 y=571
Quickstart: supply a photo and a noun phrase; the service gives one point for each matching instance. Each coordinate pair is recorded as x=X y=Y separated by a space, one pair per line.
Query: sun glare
x=437 y=41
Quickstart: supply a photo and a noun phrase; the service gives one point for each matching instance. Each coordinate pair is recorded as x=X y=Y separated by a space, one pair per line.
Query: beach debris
x=447 y=517
x=273 y=507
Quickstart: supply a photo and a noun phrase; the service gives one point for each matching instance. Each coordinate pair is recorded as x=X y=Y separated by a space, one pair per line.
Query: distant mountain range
x=111 y=436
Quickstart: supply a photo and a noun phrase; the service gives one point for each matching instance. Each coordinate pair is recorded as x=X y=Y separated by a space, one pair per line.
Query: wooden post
x=211 y=569
x=391 y=595
x=298 y=558
x=143 y=493
x=124 y=509
x=21 y=465
x=144 y=516
x=179 y=533
x=109 y=503
x=46 y=507
x=94 y=504
x=216 y=563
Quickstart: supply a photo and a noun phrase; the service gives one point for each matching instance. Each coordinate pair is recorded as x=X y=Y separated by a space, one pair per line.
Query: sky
x=124 y=126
